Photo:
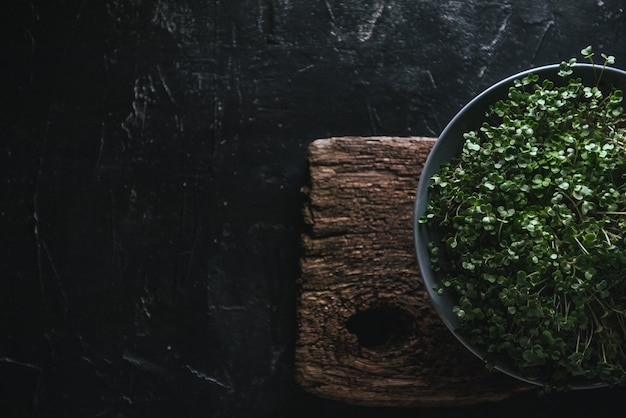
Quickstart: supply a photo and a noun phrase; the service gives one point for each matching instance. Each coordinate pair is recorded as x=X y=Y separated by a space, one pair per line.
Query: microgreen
x=533 y=221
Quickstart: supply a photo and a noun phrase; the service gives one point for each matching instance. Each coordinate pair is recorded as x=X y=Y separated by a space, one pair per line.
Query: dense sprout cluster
x=533 y=222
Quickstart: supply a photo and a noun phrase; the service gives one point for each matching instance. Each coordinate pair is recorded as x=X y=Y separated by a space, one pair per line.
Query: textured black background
x=153 y=153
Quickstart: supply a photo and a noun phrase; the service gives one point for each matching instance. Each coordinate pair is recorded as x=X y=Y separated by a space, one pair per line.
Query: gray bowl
x=449 y=145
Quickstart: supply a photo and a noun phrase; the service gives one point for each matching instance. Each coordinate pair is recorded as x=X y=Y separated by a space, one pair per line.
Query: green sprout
x=533 y=215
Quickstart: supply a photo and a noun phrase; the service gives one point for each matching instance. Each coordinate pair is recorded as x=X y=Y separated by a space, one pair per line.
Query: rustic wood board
x=367 y=332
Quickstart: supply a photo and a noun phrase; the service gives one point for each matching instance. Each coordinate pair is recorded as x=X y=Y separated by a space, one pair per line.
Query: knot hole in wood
x=382 y=328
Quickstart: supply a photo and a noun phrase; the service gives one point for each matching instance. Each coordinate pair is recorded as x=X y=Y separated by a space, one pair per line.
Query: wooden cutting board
x=367 y=333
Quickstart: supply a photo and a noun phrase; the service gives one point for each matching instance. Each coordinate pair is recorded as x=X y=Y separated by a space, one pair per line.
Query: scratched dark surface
x=153 y=153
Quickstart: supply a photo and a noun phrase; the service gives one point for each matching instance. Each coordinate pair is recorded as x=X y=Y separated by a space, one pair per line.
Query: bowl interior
x=449 y=145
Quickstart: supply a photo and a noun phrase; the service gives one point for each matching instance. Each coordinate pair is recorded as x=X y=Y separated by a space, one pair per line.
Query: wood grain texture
x=367 y=332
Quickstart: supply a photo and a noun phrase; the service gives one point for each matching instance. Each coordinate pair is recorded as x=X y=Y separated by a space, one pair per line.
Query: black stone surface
x=153 y=153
